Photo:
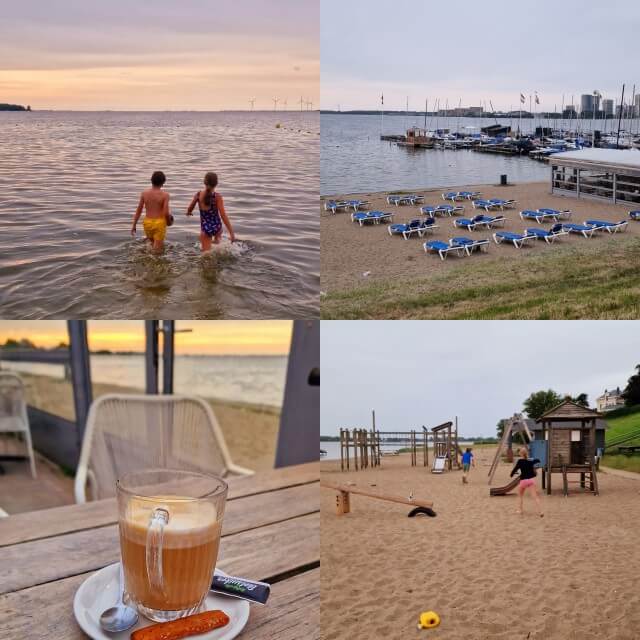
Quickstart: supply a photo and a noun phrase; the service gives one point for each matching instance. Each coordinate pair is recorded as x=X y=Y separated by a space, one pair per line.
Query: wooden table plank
x=292 y=612
x=50 y=522
x=45 y=612
x=25 y=565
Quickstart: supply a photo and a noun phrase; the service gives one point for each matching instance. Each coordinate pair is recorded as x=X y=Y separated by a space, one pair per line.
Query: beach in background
x=70 y=183
x=246 y=393
x=488 y=572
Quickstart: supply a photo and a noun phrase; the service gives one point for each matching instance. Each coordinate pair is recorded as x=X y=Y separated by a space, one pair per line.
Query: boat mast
x=620 y=118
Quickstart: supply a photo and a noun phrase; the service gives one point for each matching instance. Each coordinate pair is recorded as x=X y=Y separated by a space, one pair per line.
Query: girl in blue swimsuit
x=212 y=213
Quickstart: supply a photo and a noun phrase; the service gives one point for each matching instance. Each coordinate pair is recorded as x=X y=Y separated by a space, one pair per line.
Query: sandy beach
x=349 y=250
x=249 y=430
x=488 y=572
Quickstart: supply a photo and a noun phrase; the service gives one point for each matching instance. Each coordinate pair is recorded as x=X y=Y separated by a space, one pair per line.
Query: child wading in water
x=212 y=213
x=157 y=218
x=467 y=461
x=527 y=478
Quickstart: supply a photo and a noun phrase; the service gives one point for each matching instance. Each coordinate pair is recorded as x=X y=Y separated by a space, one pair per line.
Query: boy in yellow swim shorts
x=155 y=203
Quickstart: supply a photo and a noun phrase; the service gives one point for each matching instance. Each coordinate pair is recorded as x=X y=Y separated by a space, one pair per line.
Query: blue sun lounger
x=449 y=209
x=442 y=248
x=453 y=196
x=538 y=216
x=469 y=244
x=490 y=221
x=469 y=195
x=335 y=206
x=634 y=215
x=517 y=239
x=479 y=221
x=356 y=204
x=487 y=205
x=417 y=226
x=376 y=217
x=585 y=230
x=408 y=199
x=563 y=214
x=503 y=204
x=611 y=227
x=548 y=236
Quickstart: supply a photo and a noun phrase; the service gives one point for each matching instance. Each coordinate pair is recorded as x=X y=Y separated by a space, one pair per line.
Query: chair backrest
x=12 y=396
x=131 y=432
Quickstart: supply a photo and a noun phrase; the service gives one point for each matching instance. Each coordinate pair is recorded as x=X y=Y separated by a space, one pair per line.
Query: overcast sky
x=160 y=55
x=416 y=373
x=475 y=51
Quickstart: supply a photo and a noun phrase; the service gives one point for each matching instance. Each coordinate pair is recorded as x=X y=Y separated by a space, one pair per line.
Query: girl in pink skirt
x=527 y=478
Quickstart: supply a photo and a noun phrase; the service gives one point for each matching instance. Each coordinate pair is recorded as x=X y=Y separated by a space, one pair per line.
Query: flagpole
x=381 y=115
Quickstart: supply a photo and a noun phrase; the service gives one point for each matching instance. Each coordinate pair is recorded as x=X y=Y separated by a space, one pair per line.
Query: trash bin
x=503 y=180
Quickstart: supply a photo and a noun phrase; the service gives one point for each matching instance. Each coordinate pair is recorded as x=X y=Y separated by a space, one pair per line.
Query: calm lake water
x=253 y=379
x=69 y=185
x=353 y=159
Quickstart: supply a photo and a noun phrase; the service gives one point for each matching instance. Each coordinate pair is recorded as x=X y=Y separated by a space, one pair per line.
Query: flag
x=382 y=99
x=522 y=98
x=537 y=99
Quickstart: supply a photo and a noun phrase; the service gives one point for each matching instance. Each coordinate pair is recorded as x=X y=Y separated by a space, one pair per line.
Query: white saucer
x=100 y=591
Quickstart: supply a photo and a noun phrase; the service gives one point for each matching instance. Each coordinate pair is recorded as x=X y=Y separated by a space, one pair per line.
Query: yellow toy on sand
x=428 y=620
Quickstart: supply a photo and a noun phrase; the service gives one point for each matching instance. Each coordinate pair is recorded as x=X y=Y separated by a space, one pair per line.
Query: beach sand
x=250 y=430
x=349 y=251
x=488 y=572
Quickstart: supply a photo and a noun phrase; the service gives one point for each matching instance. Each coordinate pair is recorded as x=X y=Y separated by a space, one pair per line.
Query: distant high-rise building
x=588 y=104
x=608 y=108
x=637 y=105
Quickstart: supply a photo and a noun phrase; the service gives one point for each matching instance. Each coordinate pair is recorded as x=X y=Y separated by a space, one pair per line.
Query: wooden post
x=341 y=450
x=343 y=503
x=549 y=450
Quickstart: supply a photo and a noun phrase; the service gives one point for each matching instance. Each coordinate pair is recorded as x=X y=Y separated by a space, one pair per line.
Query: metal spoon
x=120 y=617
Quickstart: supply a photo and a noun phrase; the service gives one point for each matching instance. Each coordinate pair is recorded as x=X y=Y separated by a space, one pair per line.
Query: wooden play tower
x=570 y=432
x=445 y=447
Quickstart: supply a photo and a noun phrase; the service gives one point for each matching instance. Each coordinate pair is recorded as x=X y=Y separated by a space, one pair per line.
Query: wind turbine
x=252 y=101
x=301 y=102
x=275 y=103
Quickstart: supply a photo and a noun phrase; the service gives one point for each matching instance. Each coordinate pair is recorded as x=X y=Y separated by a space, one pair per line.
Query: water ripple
x=69 y=184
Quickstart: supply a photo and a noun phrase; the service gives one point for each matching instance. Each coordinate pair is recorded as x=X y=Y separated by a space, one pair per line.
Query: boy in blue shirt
x=467 y=461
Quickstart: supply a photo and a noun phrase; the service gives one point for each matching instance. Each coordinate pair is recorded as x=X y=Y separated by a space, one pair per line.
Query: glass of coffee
x=170 y=523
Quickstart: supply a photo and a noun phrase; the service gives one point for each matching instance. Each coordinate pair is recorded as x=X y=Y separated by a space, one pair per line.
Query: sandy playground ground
x=487 y=571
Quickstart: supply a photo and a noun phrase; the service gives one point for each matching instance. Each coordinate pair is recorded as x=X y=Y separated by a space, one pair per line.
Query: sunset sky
x=165 y=55
x=211 y=337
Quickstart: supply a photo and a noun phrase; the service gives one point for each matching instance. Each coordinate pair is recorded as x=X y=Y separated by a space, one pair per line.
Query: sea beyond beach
x=487 y=571
x=69 y=185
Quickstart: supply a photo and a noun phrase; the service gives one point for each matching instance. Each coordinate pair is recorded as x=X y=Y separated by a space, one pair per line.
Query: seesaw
x=343 y=500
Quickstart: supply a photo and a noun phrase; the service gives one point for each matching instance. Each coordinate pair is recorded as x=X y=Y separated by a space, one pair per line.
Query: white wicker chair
x=13 y=411
x=129 y=432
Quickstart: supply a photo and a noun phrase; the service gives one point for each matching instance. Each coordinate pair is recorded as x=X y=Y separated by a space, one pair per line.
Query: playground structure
x=565 y=440
x=343 y=500
x=516 y=424
x=569 y=431
x=362 y=448
x=446 y=451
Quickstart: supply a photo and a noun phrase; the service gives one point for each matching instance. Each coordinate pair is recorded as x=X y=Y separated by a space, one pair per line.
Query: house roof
x=627 y=158
x=518 y=421
x=569 y=410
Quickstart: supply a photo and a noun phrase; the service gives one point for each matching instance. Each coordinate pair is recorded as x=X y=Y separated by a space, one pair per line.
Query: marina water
x=69 y=185
x=353 y=159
